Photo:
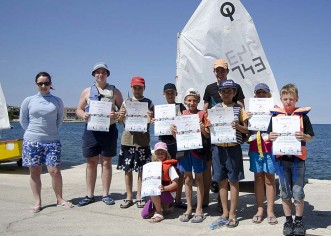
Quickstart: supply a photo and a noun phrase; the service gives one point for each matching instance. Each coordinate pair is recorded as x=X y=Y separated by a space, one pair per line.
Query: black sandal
x=126 y=203
x=140 y=203
x=85 y=201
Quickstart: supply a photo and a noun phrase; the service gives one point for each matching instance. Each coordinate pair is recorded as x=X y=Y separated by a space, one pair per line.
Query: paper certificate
x=99 y=116
x=151 y=179
x=164 y=118
x=260 y=109
x=136 y=117
x=221 y=130
x=188 y=134
x=286 y=143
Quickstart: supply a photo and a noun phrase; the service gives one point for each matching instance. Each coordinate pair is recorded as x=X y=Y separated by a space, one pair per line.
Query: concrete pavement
x=99 y=219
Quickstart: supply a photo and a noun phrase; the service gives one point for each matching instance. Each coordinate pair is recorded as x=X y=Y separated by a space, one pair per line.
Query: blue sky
x=67 y=37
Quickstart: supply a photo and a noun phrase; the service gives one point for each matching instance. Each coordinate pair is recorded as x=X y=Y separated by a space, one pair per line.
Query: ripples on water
x=317 y=164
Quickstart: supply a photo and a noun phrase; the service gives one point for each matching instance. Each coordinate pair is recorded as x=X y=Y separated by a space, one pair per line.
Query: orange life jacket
x=165 y=172
x=297 y=112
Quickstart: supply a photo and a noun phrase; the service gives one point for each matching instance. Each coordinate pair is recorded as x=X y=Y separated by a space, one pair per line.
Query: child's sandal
x=126 y=204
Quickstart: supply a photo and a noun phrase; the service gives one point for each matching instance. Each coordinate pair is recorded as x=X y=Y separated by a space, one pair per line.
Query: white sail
x=221 y=29
x=4 y=119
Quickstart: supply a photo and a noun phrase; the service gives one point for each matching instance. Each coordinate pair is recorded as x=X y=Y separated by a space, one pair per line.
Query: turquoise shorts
x=39 y=153
x=264 y=164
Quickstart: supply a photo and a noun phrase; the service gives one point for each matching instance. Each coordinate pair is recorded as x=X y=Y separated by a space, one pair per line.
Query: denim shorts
x=264 y=164
x=292 y=179
x=97 y=143
x=188 y=161
x=227 y=163
x=39 y=153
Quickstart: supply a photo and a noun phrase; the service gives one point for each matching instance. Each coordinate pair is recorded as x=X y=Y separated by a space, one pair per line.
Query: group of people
x=42 y=114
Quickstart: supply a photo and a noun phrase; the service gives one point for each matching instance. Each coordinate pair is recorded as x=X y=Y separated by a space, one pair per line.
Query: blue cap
x=227 y=84
x=262 y=86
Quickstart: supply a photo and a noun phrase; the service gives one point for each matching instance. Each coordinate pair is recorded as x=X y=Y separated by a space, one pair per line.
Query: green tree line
x=13 y=114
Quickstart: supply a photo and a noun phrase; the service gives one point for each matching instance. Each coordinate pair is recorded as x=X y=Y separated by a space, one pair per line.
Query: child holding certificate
x=135 y=150
x=227 y=159
x=168 y=187
x=99 y=146
x=192 y=159
x=170 y=93
x=292 y=167
x=262 y=163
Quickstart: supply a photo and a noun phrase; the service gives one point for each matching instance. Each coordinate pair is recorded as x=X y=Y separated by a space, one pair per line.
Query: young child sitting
x=168 y=187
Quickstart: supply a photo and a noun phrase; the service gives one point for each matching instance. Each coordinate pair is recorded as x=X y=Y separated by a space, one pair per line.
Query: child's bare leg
x=206 y=183
x=259 y=192
x=299 y=206
x=139 y=182
x=179 y=189
x=287 y=205
x=188 y=191
x=223 y=193
x=128 y=185
x=270 y=192
x=234 y=195
x=200 y=192
x=157 y=203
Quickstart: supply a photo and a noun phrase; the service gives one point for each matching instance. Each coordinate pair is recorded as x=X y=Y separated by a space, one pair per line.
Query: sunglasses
x=44 y=83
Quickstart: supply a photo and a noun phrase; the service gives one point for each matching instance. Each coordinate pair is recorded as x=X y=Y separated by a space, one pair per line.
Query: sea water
x=317 y=164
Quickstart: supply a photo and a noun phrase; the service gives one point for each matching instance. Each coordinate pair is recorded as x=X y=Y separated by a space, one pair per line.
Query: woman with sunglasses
x=41 y=116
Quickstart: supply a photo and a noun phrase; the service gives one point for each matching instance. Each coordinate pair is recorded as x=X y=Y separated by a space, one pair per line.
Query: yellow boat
x=10 y=150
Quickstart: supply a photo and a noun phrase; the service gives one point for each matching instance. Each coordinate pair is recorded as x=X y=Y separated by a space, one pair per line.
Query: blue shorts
x=292 y=179
x=97 y=143
x=227 y=163
x=264 y=164
x=39 y=153
x=188 y=161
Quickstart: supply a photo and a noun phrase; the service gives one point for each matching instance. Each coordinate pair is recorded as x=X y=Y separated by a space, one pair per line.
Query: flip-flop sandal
x=232 y=223
x=126 y=204
x=108 y=200
x=257 y=219
x=65 y=205
x=140 y=203
x=272 y=220
x=198 y=218
x=156 y=218
x=85 y=201
x=185 y=217
x=36 y=209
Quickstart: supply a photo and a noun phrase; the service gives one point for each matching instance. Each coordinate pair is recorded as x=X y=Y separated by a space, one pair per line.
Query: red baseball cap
x=137 y=80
